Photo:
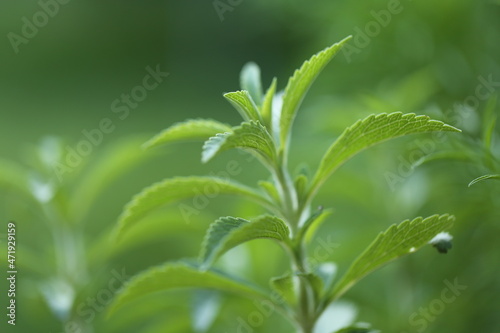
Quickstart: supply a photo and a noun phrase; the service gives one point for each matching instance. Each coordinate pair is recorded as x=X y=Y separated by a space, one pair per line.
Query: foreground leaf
x=399 y=240
x=250 y=81
x=370 y=131
x=172 y=190
x=228 y=232
x=192 y=129
x=485 y=177
x=299 y=83
x=249 y=135
x=244 y=104
x=179 y=275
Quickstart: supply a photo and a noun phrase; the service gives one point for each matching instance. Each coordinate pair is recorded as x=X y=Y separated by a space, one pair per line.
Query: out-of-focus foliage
x=430 y=58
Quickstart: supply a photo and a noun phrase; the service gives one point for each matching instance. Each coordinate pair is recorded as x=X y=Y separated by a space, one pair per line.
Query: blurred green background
x=428 y=58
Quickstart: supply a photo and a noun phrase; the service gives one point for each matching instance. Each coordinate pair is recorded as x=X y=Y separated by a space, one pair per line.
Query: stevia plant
x=305 y=293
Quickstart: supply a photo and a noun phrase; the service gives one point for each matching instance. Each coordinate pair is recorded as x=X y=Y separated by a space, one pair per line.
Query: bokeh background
x=428 y=58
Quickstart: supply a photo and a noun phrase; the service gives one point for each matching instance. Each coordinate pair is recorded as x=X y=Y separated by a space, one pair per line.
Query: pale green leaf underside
x=172 y=190
x=228 y=232
x=250 y=81
x=249 y=135
x=485 y=177
x=192 y=129
x=179 y=275
x=300 y=82
x=370 y=131
x=399 y=240
x=244 y=104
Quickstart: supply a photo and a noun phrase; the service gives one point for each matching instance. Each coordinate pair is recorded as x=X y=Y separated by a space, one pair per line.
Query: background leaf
x=485 y=177
x=251 y=82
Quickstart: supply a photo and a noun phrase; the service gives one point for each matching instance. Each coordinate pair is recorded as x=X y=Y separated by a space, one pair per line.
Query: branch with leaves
x=265 y=132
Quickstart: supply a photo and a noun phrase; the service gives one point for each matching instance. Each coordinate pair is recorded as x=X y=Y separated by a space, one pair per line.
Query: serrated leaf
x=192 y=129
x=250 y=81
x=287 y=287
x=249 y=135
x=266 y=109
x=370 y=131
x=175 y=189
x=244 y=104
x=299 y=83
x=399 y=240
x=485 y=177
x=180 y=275
x=228 y=232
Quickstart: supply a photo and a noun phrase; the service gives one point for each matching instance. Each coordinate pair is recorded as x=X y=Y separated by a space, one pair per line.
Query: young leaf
x=172 y=190
x=287 y=286
x=244 y=104
x=399 y=240
x=299 y=83
x=180 y=275
x=266 y=109
x=250 y=81
x=370 y=131
x=360 y=328
x=485 y=177
x=228 y=232
x=270 y=190
x=249 y=135
x=192 y=129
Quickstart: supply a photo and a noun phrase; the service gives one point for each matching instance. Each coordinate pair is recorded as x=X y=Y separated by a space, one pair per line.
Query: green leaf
x=192 y=129
x=489 y=121
x=459 y=155
x=250 y=81
x=399 y=240
x=267 y=105
x=312 y=224
x=361 y=328
x=111 y=164
x=315 y=282
x=287 y=286
x=485 y=177
x=180 y=275
x=370 y=131
x=249 y=135
x=299 y=84
x=15 y=177
x=244 y=104
x=270 y=190
x=228 y=232
x=172 y=190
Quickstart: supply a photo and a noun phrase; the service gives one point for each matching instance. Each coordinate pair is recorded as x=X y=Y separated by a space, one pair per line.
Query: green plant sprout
x=265 y=132
x=480 y=153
